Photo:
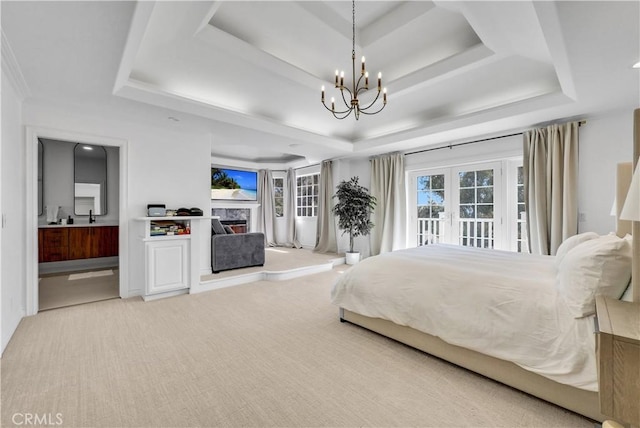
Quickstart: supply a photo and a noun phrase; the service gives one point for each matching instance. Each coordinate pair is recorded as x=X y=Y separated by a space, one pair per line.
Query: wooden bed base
x=577 y=400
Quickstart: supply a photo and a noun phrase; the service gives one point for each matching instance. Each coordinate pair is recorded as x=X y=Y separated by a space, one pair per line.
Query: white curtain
x=326 y=227
x=290 y=213
x=266 y=211
x=389 y=216
x=551 y=185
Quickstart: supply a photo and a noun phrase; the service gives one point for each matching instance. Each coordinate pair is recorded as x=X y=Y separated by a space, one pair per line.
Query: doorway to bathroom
x=78 y=223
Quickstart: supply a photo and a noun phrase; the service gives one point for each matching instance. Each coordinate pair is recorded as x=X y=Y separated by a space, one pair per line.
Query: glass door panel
x=429 y=208
x=477 y=191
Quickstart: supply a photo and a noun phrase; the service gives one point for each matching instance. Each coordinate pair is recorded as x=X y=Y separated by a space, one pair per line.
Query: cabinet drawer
x=52 y=238
x=55 y=254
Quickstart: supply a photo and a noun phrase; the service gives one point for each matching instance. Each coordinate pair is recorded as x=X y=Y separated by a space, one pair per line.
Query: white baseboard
x=151 y=297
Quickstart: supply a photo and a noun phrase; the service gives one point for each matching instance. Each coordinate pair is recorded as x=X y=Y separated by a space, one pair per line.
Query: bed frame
x=578 y=400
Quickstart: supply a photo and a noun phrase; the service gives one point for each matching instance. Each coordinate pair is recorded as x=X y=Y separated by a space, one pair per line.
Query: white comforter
x=499 y=303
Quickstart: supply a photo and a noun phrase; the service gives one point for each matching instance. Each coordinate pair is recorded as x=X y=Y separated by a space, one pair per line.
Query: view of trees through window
x=278 y=196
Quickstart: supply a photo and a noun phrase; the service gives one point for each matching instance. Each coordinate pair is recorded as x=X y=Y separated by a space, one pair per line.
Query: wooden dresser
x=618 y=350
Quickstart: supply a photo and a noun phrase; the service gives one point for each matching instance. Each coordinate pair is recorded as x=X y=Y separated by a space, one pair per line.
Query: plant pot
x=352 y=258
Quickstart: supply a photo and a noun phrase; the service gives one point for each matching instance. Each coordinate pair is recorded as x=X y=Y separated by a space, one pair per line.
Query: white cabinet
x=167 y=262
x=171 y=253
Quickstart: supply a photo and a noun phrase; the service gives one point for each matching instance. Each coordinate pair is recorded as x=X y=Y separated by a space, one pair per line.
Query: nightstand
x=618 y=352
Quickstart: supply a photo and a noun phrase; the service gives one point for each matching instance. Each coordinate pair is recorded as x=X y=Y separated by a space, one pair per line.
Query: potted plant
x=353 y=209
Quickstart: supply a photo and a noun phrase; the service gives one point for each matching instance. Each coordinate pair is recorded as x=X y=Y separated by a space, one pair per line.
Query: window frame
x=307 y=195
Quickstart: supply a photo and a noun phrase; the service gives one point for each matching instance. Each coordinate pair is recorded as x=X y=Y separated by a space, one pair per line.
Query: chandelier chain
x=353 y=33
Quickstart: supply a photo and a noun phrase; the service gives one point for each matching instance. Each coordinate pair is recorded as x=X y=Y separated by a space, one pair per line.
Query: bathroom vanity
x=72 y=242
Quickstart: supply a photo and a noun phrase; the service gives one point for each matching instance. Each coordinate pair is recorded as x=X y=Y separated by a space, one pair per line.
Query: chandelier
x=357 y=88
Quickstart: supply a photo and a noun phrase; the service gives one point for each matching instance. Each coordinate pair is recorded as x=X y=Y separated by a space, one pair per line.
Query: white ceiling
x=250 y=72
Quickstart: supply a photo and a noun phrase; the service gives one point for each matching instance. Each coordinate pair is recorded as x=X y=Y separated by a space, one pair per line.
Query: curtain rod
x=297 y=168
x=451 y=146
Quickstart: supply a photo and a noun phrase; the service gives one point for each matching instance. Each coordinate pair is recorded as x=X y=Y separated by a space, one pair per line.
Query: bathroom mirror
x=40 y=178
x=90 y=179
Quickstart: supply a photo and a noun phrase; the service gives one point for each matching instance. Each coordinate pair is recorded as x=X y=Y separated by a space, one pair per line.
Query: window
x=522 y=244
x=307 y=195
x=476 y=205
x=431 y=198
x=278 y=196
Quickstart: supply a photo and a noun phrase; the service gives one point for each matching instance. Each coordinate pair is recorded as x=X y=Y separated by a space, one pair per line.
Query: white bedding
x=499 y=303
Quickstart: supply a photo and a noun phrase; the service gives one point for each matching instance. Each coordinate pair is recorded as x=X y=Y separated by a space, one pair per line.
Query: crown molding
x=11 y=70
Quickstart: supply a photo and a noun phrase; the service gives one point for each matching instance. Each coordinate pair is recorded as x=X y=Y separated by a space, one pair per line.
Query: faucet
x=92 y=218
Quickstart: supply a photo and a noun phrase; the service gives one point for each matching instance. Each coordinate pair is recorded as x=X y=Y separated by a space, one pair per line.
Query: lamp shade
x=631 y=208
x=614 y=207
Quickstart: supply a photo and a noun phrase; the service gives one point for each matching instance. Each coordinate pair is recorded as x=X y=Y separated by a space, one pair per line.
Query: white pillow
x=572 y=242
x=597 y=266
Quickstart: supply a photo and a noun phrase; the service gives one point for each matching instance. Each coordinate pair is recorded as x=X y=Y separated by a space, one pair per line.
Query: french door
x=460 y=205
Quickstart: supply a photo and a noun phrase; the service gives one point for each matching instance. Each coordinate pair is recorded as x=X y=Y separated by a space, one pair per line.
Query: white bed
x=508 y=316
x=499 y=303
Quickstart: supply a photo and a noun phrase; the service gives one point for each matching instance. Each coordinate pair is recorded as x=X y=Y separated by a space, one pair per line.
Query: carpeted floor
x=68 y=289
x=261 y=354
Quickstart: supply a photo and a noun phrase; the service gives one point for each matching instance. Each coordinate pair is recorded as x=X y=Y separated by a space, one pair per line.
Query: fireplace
x=239 y=219
x=238 y=226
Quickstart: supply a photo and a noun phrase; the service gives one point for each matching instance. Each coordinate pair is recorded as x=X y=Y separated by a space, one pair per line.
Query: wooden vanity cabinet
x=82 y=243
x=73 y=243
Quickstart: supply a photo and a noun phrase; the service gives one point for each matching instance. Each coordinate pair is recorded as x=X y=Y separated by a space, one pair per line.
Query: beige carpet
x=261 y=354
x=277 y=260
x=68 y=289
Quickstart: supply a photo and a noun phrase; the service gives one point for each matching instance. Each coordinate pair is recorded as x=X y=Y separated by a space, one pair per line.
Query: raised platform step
x=275 y=269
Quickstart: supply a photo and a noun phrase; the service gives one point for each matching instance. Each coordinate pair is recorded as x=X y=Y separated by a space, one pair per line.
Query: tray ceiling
x=250 y=72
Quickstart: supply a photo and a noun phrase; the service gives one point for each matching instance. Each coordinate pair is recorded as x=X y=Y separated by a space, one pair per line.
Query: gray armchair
x=235 y=250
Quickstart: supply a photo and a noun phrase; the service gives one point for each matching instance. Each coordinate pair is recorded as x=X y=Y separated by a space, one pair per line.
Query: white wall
x=13 y=212
x=605 y=141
